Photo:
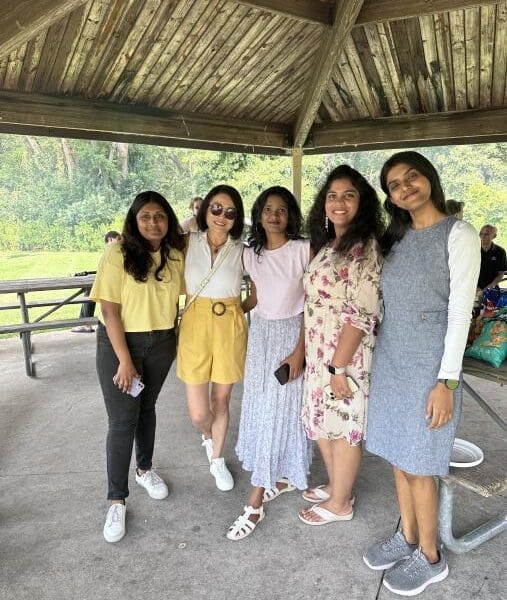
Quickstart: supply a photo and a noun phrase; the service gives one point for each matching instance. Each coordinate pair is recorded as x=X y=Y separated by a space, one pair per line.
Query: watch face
x=451 y=384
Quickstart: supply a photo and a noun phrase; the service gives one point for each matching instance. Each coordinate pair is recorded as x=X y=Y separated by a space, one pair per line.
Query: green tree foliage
x=64 y=194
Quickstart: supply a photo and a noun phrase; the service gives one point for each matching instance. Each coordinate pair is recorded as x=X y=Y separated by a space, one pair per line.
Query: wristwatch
x=450 y=384
x=336 y=370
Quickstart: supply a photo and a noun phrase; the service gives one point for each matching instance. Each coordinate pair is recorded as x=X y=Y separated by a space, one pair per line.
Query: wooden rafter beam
x=467 y=127
x=37 y=114
x=373 y=11
x=333 y=39
x=302 y=10
x=21 y=20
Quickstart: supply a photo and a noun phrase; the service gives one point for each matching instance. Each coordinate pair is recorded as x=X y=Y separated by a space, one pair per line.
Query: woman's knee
x=220 y=404
x=200 y=418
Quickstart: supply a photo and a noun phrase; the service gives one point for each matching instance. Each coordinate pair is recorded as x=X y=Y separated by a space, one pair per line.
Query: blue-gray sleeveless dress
x=408 y=352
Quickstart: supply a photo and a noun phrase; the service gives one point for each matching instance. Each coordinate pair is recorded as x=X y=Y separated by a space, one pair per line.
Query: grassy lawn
x=30 y=265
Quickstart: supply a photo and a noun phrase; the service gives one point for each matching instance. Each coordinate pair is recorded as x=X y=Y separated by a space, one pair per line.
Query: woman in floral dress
x=341 y=312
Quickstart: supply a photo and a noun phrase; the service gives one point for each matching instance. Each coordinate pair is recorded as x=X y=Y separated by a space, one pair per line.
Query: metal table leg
x=470 y=540
x=484 y=405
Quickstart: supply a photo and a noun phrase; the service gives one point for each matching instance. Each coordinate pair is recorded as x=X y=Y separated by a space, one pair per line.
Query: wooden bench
x=45 y=303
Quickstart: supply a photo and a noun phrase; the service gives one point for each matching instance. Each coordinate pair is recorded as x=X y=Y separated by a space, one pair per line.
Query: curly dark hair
x=257 y=236
x=367 y=224
x=136 y=249
x=235 y=196
x=400 y=219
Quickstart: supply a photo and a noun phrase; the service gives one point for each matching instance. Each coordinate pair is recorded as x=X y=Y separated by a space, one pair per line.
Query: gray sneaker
x=386 y=554
x=413 y=576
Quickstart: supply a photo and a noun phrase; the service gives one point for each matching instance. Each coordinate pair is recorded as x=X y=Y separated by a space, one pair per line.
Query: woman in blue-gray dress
x=428 y=285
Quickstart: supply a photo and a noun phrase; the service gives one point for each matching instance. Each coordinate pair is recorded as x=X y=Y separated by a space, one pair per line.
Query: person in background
x=88 y=308
x=271 y=441
x=190 y=224
x=138 y=284
x=493 y=259
x=342 y=308
x=213 y=331
x=428 y=286
x=455 y=208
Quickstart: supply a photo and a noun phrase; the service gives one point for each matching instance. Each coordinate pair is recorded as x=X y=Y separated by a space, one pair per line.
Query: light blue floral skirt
x=272 y=442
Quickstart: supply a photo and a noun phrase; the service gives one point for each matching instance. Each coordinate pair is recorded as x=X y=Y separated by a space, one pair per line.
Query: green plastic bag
x=491 y=345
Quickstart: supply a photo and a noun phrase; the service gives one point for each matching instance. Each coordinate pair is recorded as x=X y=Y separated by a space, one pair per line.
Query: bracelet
x=336 y=370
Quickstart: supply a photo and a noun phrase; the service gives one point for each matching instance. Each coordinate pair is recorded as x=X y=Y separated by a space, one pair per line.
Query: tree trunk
x=70 y=159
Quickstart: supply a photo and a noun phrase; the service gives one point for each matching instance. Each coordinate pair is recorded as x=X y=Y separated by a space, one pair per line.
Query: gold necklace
x=215 y=247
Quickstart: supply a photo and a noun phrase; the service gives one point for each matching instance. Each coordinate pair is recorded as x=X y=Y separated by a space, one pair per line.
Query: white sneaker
x=222 y=475
x=208 y=446
x=114 y=527
x=153 y=484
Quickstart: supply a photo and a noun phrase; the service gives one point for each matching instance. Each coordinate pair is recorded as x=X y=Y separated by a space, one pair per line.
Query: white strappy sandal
x=242 y=526
x=274 y=492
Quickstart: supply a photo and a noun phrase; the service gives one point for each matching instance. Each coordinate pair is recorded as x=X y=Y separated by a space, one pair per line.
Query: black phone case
x=282 y=374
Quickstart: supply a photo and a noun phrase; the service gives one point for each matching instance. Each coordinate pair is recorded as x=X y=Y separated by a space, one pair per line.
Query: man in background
x=493 y=259
x=190 y=224
x=88 y=308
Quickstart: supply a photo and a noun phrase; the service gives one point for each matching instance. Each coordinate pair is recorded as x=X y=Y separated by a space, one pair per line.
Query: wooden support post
x=297 y=172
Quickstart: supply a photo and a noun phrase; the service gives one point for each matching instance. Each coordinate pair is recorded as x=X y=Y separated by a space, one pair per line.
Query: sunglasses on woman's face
x=217 y=209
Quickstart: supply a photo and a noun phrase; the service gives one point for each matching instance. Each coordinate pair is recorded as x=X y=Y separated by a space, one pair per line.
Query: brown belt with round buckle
x=218 y=308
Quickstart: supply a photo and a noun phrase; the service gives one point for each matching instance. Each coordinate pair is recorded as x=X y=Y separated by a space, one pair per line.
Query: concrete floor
x=52 y=505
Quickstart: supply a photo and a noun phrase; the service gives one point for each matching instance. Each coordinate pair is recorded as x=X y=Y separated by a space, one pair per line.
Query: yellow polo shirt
x=148 y=306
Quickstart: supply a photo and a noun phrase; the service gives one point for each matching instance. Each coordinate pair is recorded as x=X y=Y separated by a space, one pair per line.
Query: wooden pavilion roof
x=264 y=76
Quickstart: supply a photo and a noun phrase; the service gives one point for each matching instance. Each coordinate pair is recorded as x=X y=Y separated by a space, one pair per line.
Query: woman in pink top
x=272 y=443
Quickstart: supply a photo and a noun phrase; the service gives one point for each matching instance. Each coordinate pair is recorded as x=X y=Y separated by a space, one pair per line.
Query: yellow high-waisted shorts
x=212 y=341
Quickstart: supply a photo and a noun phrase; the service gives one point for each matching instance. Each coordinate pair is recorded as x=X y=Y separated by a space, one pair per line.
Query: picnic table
x=23 y=287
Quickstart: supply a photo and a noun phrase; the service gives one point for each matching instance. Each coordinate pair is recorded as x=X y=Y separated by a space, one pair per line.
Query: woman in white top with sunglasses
x=213 y=330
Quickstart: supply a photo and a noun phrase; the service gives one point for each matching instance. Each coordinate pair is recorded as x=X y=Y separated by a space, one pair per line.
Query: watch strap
x=336 y=370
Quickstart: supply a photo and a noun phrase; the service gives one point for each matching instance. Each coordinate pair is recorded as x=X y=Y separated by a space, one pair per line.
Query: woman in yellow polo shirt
x=137 y=285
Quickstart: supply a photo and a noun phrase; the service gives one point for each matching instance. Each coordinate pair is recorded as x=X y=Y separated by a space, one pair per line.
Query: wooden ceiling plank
x=444 y=50
x=3 y=70
x=65 y=52
x=255 y=60
x=197 y=60
x=381 y=11
x=250 y=43
x=382 y=67
x=500 y=57
x=393 y=66
x=431 y=102
x=117 y=27
x=140 y=32
x=430 y=54
x=344 y=18
x=356 y=67
x=30 y=64
x=345 y=74
x=276 y=74
x=487 y=44
x=457 y=31
x=93 y=22
x=184 y=39
x=224 y=45
x=49 y=52
x=308 y=11
x=22 y=20
x=145 y=75
x=103 y=120
x=470 y=126
x=408 y=77
x=14 y=67
x=472 y=50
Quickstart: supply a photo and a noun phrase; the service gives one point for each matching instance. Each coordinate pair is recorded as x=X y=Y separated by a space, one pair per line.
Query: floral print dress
x=339 y=290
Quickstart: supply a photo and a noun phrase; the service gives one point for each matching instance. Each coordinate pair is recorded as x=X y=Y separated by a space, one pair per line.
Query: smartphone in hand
x=136 y=388
x=282 y=373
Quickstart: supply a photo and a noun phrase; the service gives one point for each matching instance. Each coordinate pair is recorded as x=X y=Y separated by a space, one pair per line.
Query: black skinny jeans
x=130 y=418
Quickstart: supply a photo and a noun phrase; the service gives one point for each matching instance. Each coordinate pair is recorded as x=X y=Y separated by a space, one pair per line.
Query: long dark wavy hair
x=367 y=224
x=399 y=220
x=257 y=236
x=136 y=249
x=235 y=196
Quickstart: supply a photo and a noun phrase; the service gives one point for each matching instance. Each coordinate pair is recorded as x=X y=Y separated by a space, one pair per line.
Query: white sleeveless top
x=226 y=282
